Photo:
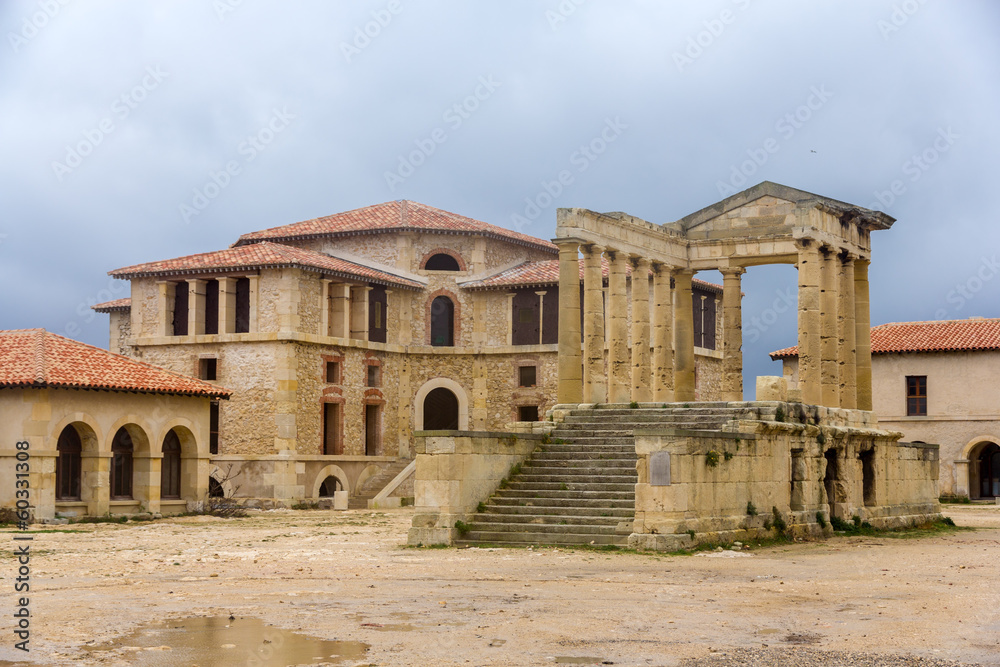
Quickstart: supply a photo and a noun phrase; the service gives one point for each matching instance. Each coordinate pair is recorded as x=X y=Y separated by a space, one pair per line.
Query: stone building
x=937 y=382
x=106 y=434
x=341 y=336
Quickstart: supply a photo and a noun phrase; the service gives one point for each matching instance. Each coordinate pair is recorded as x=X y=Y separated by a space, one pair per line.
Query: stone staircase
x=373 y=485
x=580 y=488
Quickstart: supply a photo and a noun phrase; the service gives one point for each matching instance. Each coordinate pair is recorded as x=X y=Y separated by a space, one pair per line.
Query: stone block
x=772 y=388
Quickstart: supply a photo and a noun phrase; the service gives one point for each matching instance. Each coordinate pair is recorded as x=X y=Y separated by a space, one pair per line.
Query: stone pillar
x=196 y=307
x=165 y=327
x=340 y=310
x=595 y=379
x=541 y=315
x=479 y=323
x=227 y=305
x=570 y=388
x=809 y=323
x=324 y=307
x=961 y=487
x=510 y=317
x=254 y=299
x=359 y=312
x=732 y=334
x=641 y=390
x=829 y=331
x=480 y=393
x=663 y=349
x=848 y=334
x=286 y=380
x=863 y=334
x=683 y=337
x=618 y=354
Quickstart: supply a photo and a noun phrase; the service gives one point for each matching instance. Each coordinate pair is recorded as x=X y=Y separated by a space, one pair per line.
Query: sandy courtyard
x=345 y=576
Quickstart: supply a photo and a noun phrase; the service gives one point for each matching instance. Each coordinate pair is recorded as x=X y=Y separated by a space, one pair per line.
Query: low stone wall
x=722 y=486
x=457 y=470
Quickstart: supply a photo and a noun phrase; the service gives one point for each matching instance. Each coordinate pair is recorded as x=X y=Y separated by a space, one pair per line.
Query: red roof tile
x=117 y=304
x=530 y=274
x=393 y=216
x=936 y=336
x=263 y=255
x=37 y=358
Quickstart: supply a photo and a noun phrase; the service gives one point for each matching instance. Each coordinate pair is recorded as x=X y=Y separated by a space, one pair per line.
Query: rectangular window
x=373 y=429
x=916 y=395
x=374 y=376
x=212 y=307
x=526 y=376
x=333 y=372
x=242 y=305
x=213 y=428
x=527 y=413
x=208 y=369
x=180 y=309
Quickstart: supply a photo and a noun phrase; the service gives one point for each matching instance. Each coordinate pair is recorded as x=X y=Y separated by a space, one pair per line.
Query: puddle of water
x=221 y=642
x=577 y=660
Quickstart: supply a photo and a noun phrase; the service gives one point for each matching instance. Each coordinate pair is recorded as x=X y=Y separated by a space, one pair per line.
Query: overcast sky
x=147 y=130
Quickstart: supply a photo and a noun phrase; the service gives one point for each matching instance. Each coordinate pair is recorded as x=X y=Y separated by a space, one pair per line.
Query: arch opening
x=170 y=467
x=122 y=450
x=330 y=486
x=442 y=262
x=68 y=464
x=442 y=322
x=987 y=475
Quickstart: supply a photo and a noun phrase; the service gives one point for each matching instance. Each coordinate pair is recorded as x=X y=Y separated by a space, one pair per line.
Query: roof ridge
x=40 y=335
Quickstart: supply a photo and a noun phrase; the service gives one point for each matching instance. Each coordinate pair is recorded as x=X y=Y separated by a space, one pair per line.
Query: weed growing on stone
x=711 y=458
x=751 y=509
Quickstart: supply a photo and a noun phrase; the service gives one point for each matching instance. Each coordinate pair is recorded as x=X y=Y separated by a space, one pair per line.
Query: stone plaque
x=659 y=469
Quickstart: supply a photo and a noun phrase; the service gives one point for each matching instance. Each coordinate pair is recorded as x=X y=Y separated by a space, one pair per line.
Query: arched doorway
x=121 y=465
x=442 y=322
x=170 y=467
x=329 y=486
x=68 y=472
x=441 y=410
x=988 y=483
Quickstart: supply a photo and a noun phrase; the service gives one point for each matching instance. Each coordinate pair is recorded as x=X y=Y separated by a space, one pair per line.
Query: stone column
x=863 y=334
x=541 y=315
x=359 y=312
x=732 y=334
x=809 y=322
x=618 y=354
x=641 y=390
x=196 y=307
x=340 y=310
x=324 y=307
x=683 y=337
x=570 y=388
x=595 y=384
x=663 y=349
x=829 y=331
x=848 y=334
x=510 y=317
x=227 y=305
x=165 y=327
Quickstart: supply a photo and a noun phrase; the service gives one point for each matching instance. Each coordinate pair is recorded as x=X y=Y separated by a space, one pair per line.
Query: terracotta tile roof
x=393 y=216
x=540 y=273
x=936 y=336
x=264 y=255
x=37 y=358
x=117 y=304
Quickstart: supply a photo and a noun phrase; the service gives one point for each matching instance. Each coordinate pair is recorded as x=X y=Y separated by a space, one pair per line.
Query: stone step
x=592 y=443
x=515 y=522
x=478 y=537
x=560 y=484
x=582 y=466
x=511 y=527
x=577 y=475
x=621 y=501
x=529 y=508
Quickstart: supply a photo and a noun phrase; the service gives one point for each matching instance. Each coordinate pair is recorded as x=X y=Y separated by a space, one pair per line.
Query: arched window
x=329 y=486
x=121 y=466
x=442 y=322
x=442 y=262
x=170 y=467
x=68 y=465
x=215 y=489
x=441 y=410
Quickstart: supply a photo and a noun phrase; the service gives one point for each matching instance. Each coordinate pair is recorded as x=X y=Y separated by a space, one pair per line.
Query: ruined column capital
x=592 y=248
x=732 y=271
x=639 y=260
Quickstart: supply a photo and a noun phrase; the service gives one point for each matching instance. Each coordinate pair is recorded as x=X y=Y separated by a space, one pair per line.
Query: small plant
x=778 y=521
x=840 y=525
x=821 y=520
x=664 y=405
x=687 y=405
x=515 y=470
x=691 y=533
x=779 y=414
x=462 y=528
x=563 y=487
x=767 y=523
x=948 y=521
x=481 y=507
x=711 y=458
x=634 y=405
x=751 y=509
x=857 y=521
x=546 y=439
x=952 y=498
x=728 y=455
x=821 y=438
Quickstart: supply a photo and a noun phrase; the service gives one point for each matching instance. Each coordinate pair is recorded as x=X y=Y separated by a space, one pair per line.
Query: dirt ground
x=346 y=576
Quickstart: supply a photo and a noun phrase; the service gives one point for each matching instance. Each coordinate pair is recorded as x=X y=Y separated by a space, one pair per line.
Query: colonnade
x=655 y=360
